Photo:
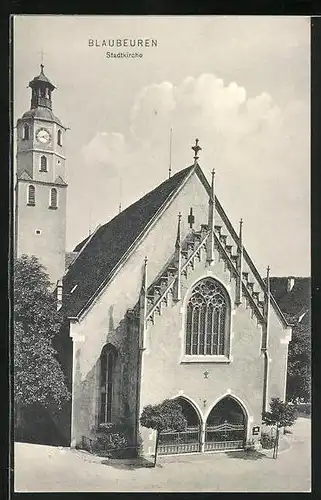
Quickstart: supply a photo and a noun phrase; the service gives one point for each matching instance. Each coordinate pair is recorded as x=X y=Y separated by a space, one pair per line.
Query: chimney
x=290 y=283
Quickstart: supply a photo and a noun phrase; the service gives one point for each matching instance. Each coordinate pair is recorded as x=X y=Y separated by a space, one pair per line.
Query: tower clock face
x=43 y=136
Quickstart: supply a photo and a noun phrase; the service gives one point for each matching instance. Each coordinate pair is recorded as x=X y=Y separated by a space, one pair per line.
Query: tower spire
x=211 y=221
x=41 y=88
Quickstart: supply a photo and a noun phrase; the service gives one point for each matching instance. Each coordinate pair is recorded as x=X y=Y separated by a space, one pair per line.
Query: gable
x=102 y=253
x=60 y=181
x=25 y=176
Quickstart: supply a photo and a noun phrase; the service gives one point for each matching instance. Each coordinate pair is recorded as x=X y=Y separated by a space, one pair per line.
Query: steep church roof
x=100 y=253
x=42 y=114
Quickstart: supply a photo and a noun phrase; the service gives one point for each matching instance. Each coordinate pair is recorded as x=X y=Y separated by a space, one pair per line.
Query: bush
x=267 y=440
x=110 y=441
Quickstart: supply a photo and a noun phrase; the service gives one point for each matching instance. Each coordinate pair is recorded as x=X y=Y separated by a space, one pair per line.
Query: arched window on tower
x=26 y=132
x=208 y=319
x=53 y=198
x=59 y=137
x=107 y=374
x=31 y=195
x=43 y=164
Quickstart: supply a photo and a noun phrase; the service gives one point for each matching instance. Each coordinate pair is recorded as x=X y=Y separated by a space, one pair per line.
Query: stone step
x=218 y=229
x=261 y=304
x=228 y=248
x=250 y=285
x=223 y=238
x=245 y=275
x=256 y=295
x=234 y=258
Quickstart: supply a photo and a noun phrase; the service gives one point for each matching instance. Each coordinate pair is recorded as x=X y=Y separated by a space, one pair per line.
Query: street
x=44 y=468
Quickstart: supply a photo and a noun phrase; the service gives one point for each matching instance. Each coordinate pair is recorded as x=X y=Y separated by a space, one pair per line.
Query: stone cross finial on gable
x=196 y=149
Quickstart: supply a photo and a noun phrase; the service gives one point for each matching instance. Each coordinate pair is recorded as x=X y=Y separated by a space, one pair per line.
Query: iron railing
x=179 y=442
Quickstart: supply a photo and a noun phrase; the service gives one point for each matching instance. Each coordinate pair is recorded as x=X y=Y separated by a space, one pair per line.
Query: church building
x=161 y=302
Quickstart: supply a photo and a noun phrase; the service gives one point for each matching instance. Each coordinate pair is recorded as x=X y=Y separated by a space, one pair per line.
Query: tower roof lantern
x=41 y=79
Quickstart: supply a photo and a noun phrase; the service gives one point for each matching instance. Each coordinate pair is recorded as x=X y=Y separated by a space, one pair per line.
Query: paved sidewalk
x=44 y=468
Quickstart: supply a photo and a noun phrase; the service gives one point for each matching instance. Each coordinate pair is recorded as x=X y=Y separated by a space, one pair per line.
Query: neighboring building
x=293 y=295
x=164 y=302
x=41 y=188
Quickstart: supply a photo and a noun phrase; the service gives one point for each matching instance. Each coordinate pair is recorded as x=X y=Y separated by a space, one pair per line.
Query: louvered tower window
x=26 y=134
x=207 y=319
x=31 y=195
x=107 y=372
x=59 y=138
x=43 y=164
x=53 y=198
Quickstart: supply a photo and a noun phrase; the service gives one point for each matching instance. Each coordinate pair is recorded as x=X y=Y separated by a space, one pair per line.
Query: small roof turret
x=42 y=80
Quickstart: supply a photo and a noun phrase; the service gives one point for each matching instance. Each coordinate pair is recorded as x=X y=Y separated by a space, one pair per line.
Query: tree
x=166 y=416
x=281 y=414
x=38 y=377
x=299 y=362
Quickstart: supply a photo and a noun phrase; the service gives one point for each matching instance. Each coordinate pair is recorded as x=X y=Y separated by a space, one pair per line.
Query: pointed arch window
x=53 y=198
x=107 y=375
x=43 y=164
x=26 y=132
x=31 y=195
x=207 y=319
x=59 y=137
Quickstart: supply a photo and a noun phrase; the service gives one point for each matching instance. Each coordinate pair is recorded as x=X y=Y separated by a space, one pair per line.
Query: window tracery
x=207 y=323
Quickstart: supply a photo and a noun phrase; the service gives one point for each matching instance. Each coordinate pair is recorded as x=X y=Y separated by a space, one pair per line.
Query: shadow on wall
x=38 y=427
x=88 y=386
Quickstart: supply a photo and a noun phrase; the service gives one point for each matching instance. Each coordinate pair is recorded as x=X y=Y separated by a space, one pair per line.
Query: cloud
x=205 y=106
x=250 y=140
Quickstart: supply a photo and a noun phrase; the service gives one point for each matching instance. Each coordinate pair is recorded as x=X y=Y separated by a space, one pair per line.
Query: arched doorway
x=225 y=426
x=182 y=442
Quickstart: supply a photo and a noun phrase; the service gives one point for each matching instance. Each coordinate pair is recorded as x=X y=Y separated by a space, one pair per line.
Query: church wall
x=23 y=144
x=277 y=348
x=165 y=375
x=101 y=323
x=49 y=246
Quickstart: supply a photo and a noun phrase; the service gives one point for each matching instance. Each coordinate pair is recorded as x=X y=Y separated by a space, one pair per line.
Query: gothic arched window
x=43 y=164
x=59 y=138
x=31 y=195
x=107 y=372
x=26 y=134
x=53 y=198
x=207 y=319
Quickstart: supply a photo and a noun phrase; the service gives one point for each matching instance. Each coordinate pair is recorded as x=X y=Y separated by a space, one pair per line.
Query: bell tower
x=41 y=188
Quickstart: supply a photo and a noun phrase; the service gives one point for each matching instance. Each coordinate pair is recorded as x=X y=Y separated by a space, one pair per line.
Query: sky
x=239 y=84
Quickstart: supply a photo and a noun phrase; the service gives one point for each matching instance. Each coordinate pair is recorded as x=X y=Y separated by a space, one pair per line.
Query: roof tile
x=108 y=245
